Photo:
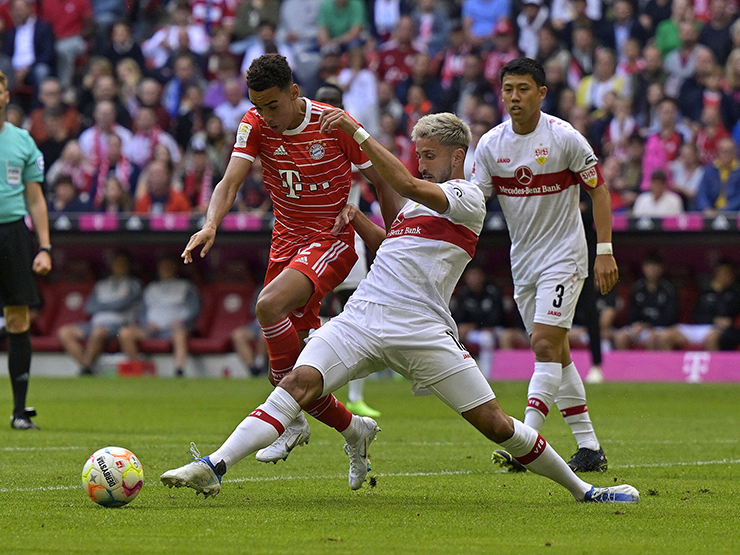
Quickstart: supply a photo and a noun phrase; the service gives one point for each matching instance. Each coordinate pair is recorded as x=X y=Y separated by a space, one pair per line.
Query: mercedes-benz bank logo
x=523 y=175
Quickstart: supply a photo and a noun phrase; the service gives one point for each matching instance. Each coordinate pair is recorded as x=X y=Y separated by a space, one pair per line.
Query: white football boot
x=297 y=433
x=200 y=475
x=614 y=494
x=357 y=452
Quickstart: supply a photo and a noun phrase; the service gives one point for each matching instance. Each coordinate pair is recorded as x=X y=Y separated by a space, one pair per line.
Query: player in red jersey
x=307 y=174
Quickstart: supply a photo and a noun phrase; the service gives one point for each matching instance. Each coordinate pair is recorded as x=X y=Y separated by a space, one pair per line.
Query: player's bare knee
x=545 y=349
x=305 y=384
x=268 y=310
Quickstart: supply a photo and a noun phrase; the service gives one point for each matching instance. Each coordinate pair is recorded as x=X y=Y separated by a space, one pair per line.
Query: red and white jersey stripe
x=534 y=177
x=307 y=173
x=424 y=254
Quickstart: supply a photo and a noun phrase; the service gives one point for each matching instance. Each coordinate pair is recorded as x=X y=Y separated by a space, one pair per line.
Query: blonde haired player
x=399 y=318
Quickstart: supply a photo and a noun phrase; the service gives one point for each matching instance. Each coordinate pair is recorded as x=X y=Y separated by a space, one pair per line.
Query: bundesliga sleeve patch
x=242 y=134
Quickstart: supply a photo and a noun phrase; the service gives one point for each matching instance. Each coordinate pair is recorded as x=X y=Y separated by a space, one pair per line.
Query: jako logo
x=553 y=313
x=503 y=160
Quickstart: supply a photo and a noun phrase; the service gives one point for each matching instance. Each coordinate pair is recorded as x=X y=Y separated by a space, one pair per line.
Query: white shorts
x=368 y=338
x=695 y=333
x=358 y=271
x=551 y=301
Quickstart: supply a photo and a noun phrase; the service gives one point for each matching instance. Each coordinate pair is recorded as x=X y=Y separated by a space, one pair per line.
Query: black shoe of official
x=23 y=421
x=86 y=371
x=588 y=460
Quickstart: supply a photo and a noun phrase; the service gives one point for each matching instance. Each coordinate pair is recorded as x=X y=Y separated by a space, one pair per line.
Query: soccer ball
x=112 y=476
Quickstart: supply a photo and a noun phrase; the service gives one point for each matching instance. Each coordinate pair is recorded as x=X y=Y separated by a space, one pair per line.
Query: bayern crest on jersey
x=316 y=150
x=540 y=154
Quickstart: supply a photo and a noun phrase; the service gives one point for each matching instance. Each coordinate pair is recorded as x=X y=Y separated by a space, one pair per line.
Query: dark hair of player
x=525 y=66
x=269 y=70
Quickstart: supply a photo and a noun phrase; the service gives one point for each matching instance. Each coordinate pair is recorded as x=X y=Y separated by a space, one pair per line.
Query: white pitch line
x=391 y=475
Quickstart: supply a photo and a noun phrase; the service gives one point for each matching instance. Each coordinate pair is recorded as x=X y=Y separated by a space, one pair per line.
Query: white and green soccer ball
x=112 y=476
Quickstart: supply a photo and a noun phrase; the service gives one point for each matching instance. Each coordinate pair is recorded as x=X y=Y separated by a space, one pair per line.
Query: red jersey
x=307 y=173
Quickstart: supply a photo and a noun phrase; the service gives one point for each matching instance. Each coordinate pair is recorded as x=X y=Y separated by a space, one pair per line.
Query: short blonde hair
x=445 y=128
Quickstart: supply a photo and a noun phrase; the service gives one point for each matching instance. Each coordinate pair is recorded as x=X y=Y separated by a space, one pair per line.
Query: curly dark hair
x=269 y=70
x=525 y=66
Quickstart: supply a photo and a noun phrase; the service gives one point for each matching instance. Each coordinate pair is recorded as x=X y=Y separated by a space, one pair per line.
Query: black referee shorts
x=17 y=280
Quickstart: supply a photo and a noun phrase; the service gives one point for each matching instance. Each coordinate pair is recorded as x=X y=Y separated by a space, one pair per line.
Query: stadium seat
x=227 y=305
x=64 y=303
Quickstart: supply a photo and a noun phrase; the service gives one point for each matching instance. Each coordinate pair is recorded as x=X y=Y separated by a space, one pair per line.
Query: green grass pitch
x=435 y=491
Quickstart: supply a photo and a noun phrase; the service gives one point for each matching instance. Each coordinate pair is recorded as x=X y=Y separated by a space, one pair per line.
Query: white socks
x=535 y=453
x=571 y=400
x=543 y=386
x=259 y=429
x=355 y=390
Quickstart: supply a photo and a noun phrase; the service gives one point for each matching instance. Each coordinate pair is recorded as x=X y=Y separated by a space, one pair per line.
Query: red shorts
x=326 y=264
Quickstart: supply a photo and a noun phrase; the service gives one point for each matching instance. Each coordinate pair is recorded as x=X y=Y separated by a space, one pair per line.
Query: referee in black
x=21 y=195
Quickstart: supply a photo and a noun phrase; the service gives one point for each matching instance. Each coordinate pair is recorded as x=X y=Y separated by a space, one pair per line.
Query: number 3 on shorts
x=558 y=302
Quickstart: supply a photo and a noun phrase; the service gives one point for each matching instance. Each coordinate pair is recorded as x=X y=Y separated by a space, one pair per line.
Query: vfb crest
x=540 y=154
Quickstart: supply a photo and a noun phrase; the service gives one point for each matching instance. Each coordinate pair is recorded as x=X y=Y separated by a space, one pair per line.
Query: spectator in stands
x=358 y=87
x=123 y=46
x=719 y=188
x=106 y=13
x=129 y=75
x=712 y=131
x=249 y=344
x=168 y=39
x=716 y=309
x=298 y=29
x=666 y=32
x=171 y=305
x=621 y=127
x=199 y=176
x=716 y=33
x=193 y=116
x=227 y=68
x=72 y=23
x=160 y=197
x=622 y=197
x=232 y=110
x=530 y=20
x=504 y=50
x=105 y=89
x=253 y=197
x=64 y=196
x=186 y=73
x=214 y=14
x=550 y=48
x=116 y=199
x=582 y=53
x=263 y=43
x=623 y=25
x=485 y=117
x=94 y=140
x=662 y=147
x=468 y=89
x=652 y=74
x=481 y=16
x=341 y=22
x=653 y=13
x=566 y=15
x=593 y=89
x=29 y=44
x=74 y=163
x=149 y=94
x=218 y=143
x=556 y=83
x=140 y=148
x=681 y=62
x=50 y=95
x=687 y=172
x=112 y=304
x=117 y=164
x=432 y=19
x=659 y=201
x=394 y=58
x=422 y=75
x=250 y=15
x=57 y=138
x=696 y=91
x=653 y=307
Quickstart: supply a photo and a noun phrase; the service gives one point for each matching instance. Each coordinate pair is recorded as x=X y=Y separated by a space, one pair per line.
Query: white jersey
x=424 y=254
x=535 y=177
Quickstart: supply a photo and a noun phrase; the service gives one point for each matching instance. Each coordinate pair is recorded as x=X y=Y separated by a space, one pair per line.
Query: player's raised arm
x=389 y=167
x=224 y=195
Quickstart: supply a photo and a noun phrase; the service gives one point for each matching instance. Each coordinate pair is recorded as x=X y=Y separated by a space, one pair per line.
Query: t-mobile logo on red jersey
x=292 y=181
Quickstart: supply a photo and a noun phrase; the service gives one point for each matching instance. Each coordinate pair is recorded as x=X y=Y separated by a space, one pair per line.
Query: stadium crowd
x=135 y=104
